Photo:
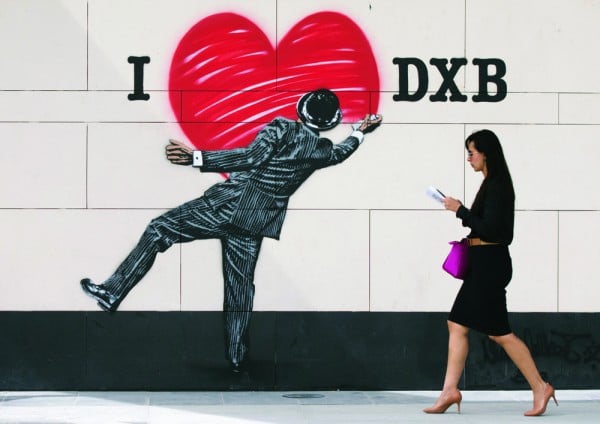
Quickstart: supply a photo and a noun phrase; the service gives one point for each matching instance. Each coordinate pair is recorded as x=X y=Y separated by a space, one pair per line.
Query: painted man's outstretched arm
x=259 y=151
x=341 y=151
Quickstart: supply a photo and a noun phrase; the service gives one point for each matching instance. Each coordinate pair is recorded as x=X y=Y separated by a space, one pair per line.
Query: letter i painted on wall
x=138 y=77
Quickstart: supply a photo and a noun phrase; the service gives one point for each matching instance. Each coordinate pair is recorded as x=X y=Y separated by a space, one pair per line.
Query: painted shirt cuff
x=359 y=135
x=197 y=155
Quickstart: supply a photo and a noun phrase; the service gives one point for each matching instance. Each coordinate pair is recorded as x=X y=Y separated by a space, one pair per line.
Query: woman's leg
x=458 y=348
x=519 y=353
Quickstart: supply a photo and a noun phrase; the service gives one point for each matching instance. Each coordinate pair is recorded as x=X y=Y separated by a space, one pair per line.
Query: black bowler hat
x=319 y=109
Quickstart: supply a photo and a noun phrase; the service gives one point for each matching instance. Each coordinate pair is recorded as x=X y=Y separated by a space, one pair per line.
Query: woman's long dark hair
x=486 y=142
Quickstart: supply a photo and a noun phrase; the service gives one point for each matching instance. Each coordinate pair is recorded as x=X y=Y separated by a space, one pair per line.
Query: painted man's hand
x=178 y=153
x=369 y=123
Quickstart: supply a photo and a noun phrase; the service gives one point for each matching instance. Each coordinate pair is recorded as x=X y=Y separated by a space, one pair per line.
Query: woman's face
x=476 y=159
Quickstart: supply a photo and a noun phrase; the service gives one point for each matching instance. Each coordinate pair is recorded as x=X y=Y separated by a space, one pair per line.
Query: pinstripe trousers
x=196 y=220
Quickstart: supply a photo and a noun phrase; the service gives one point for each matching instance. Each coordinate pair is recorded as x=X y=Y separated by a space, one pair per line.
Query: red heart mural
x=226 y=79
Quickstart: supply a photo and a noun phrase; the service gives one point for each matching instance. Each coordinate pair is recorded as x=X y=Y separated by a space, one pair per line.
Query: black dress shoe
x=106 y=300
x=238 y=366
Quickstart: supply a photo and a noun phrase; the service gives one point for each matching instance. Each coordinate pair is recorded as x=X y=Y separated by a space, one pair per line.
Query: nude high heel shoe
x=541 y=408
x=449 y=400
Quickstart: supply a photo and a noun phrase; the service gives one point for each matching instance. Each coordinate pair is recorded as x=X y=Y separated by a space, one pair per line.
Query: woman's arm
x=491 y=224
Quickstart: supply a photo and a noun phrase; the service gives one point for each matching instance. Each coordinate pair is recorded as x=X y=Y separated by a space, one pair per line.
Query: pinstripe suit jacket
x=264 y=175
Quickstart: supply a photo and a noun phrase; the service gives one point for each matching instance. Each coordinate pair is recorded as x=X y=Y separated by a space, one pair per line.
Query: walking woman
x=481 y=302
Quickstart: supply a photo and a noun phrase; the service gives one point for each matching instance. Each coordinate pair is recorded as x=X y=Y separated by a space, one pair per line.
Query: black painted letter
x=485 y=78
x=403 y=64
x=448 y=80
x=138 y=77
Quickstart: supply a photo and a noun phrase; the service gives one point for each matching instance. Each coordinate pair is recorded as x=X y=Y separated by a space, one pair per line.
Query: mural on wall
x=226 y=71
x=253 y=114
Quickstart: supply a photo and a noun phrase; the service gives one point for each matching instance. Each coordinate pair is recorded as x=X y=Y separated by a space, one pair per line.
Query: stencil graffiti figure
x=249 y=205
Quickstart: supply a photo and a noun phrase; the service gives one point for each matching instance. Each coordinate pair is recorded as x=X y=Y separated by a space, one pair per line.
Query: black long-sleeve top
x=492 y=215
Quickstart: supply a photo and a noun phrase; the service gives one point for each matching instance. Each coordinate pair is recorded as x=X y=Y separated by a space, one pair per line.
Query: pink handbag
x=457 y=261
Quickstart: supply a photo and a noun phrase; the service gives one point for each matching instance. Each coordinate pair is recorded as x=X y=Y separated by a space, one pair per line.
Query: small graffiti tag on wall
x=574 y=348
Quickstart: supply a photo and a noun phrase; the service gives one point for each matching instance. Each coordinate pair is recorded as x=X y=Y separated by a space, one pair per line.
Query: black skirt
x=481 y=300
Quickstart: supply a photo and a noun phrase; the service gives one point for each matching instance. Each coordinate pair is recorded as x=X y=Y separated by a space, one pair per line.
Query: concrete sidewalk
x=575 y=406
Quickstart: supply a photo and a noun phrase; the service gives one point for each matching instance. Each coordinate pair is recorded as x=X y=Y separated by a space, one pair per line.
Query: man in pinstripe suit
x=249 y=205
